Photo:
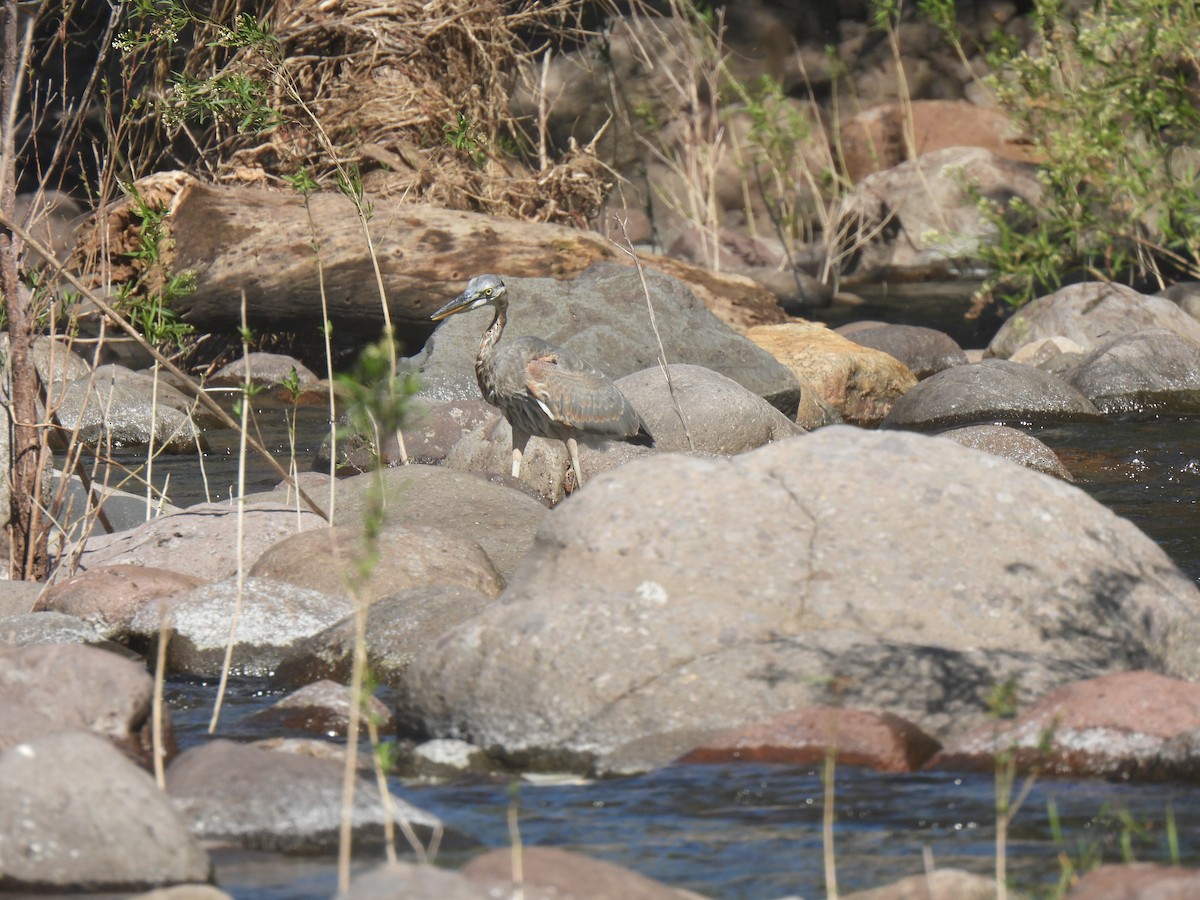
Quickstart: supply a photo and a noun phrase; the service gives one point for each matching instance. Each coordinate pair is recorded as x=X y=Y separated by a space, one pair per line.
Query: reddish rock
x=876 y=139
x=109 y=596
x=1137 y=881
x=802 y=737
x=1112 y=726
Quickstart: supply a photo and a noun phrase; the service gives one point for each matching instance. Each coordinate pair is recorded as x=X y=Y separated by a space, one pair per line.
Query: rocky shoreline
x=744 y=591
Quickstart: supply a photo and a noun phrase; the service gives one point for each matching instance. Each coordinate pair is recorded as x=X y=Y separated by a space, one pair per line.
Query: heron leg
x=573 y=449
x=520 y=439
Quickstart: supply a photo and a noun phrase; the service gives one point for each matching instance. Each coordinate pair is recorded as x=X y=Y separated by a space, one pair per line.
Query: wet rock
x=701 y=593
x=924 y=350
x=78 y=816
x=940 y=884
x=200 y=541
x=1137 y=881
x=721 y=416
x=126 y=407
x=446 y=758
x=502 y=521
x=1089 y=313
x=322 y=707
x=424 y=882
x=805 y=737
x=273 y=618
x=35 y=628
x=1022 y=448
x=565 y=874
x=402 y=557
x=1151 y=370
x=53 y=688
x=107 y=597
x=397 y=628
x=617 y=338
x=994 y=390
x=280 y=802
x=1113 y=726
x=922 y=217
x=857 y=381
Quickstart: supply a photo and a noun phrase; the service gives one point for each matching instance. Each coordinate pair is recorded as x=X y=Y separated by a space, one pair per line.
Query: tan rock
x=861 y=383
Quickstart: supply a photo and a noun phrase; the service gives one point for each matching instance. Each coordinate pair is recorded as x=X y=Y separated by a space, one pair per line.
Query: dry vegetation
x=414 y=96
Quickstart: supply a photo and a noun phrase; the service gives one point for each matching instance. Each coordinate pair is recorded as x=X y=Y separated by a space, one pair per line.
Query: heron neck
x=484 y=369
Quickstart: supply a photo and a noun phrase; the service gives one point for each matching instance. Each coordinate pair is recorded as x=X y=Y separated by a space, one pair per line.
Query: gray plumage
x=542 y=389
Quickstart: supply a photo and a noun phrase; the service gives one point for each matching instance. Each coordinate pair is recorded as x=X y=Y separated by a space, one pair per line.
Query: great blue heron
x=542 y=389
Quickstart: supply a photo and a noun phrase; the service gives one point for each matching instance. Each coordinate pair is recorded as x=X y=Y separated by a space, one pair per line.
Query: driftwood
x=237 y=238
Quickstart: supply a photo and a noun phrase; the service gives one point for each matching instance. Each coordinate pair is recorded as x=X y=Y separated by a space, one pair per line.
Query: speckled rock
x=1113 y=726
x=78 y=816
x=274 y=616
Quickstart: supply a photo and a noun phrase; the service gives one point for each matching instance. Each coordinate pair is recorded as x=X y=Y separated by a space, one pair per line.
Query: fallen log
x=237 y=238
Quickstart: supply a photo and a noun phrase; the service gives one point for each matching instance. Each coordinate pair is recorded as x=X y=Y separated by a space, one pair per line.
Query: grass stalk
x=243 y=434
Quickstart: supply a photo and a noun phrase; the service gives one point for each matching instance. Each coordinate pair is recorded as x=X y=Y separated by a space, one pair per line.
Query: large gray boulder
x=883 y=570
x=1089 y=313
x=602 y=316
x=78 y=816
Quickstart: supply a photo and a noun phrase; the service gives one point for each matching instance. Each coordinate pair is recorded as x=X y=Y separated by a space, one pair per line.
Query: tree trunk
x=241 y=237
x=29 y=557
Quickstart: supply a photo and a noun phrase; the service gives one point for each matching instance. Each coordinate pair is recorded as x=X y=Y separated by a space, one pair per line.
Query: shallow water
x=753 y=831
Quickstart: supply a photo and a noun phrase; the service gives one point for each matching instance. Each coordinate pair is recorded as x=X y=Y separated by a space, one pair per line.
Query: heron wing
x=573 y=393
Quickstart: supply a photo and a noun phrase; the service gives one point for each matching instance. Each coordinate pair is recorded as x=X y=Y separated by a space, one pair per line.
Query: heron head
x=482 y=290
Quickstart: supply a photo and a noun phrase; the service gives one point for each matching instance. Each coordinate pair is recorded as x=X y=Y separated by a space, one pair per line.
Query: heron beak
x=458 y=304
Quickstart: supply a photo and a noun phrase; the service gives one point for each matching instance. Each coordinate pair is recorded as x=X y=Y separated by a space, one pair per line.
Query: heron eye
x=487 y=292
